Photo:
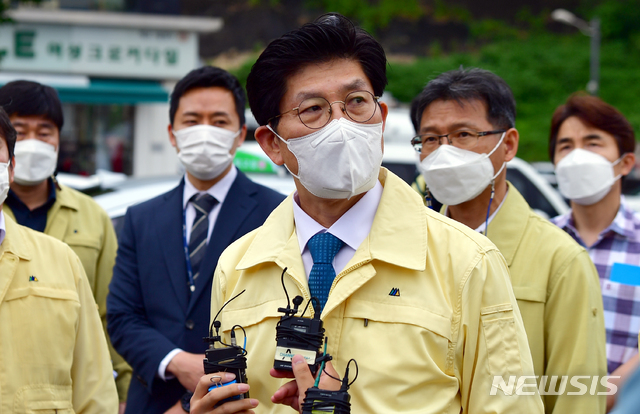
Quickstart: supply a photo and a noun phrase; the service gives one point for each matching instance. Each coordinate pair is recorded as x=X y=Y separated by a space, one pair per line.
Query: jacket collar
x=14 y=241
x=397 y=234
x=508 y=226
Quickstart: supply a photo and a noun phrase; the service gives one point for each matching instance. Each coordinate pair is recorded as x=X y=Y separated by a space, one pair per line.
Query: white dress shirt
x=352 y=228
x=219 y=191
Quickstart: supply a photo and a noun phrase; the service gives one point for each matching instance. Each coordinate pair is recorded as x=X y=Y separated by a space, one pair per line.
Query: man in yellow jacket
x=422 y=303
x=465 y=124
x=52 y=345
x=37 y=201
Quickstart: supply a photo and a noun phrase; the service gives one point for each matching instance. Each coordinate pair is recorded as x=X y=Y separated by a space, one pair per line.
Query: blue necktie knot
x=323 y=248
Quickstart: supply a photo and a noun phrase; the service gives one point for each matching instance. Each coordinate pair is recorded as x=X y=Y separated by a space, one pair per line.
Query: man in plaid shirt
x=592 y=146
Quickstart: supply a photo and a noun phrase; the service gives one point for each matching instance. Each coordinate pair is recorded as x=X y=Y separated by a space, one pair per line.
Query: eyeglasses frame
x=479 y=133
x=344 y=110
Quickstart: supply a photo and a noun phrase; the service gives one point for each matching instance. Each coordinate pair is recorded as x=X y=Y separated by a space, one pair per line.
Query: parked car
x=137 y=190
x=541 y=196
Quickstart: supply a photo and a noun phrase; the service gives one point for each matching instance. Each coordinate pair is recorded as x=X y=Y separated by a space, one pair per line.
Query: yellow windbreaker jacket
x=558 y=293
x=425 y=307
x=81 y=223
x=53 y=350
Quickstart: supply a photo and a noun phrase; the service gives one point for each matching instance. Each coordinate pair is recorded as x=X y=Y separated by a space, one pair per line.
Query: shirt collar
x=218 y=191
x=625 y=223
x=352 y=227
x=483 y=226
x=51 y=197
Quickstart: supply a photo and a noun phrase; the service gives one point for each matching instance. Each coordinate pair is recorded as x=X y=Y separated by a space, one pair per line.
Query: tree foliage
x=5 y=6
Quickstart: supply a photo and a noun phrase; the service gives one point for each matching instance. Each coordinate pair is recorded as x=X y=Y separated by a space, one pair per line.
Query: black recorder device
x=326 y=401
x=230 y=358
x=298 y=335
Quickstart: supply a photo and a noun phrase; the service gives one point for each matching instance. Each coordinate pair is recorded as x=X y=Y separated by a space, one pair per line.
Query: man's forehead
x=213 y=98
x=339 y=76
x=32 y=120
x=454 y=110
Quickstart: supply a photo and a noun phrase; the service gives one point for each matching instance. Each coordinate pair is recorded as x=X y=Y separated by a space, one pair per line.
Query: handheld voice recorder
x=221 y=357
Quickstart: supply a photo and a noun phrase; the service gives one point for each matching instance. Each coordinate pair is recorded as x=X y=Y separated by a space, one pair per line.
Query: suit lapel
x=169 y=220
x=233 y=212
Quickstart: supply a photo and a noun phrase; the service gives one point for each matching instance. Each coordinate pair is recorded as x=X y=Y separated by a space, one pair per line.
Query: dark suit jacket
x=150 y=310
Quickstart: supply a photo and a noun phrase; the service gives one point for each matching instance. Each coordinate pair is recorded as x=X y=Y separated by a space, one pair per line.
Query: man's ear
x=172 y=138
x=270 y=144
x=511 y=140
x=627 y=163
x=243 y=135
x=384 y=110
x=239 y=139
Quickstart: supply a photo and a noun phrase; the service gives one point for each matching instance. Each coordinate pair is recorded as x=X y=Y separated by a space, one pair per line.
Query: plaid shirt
x=618 y=243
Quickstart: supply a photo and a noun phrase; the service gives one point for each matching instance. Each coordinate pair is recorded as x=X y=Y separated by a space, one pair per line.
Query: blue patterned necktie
x=203 y=203
x=323 y=248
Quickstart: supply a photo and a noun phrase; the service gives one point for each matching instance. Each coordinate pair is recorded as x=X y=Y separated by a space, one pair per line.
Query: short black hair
x=465 y=85
x=331 y=36
x=27 y=98
x=8 y=132
x=594 y=112
x=208 y=77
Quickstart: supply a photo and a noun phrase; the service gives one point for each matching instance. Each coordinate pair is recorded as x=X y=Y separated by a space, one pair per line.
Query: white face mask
x=35 y=161
x=454 y=175
x=339 y=161
x=4 y=181
x=204 y=149
x=585 y=177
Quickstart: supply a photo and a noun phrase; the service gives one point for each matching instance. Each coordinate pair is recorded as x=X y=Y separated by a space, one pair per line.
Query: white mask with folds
x=454 y=175
x=35 y=161
x=585 y=177
x=205 y=149
x=339 y=161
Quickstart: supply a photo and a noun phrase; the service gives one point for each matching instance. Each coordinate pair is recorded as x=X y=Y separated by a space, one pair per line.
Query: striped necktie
x=323 y=248
x=203 y=203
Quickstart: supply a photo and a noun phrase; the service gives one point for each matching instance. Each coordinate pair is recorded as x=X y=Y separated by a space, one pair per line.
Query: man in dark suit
x=160 y=294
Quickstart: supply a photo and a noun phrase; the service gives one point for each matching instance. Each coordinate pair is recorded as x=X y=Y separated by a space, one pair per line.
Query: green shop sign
x=97 y=51
x=252 y=163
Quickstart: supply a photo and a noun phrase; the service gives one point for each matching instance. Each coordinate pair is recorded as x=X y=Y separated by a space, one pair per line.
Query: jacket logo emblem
x=394 y=292
x=33 y=279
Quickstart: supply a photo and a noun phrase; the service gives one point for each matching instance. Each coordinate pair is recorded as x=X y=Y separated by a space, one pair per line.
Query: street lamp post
x=591 y=29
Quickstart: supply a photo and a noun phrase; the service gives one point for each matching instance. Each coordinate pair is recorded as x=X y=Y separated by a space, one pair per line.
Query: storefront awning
x=109 y=91
x=85 y=90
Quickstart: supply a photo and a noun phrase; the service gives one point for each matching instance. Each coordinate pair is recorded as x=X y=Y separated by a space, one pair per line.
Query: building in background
x=114 y=72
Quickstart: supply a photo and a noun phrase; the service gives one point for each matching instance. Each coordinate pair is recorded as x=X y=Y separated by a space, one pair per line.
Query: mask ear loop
x=613 y=164
x=287 y=144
